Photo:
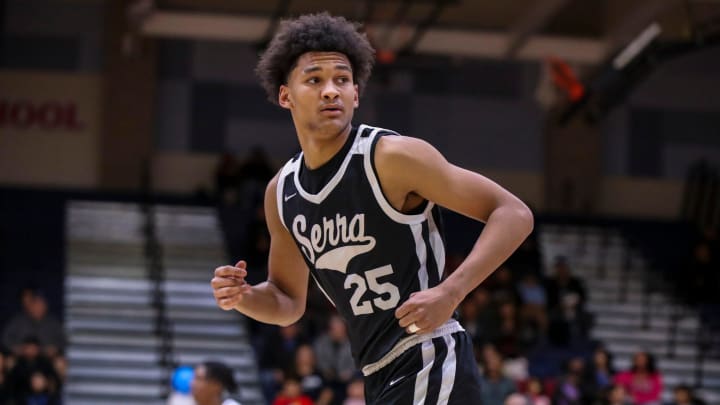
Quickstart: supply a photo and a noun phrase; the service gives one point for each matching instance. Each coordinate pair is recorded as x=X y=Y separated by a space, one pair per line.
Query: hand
x=426 y=309
x=229 y=285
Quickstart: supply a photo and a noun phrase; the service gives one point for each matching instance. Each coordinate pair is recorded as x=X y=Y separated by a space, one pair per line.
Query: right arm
x=281 y=299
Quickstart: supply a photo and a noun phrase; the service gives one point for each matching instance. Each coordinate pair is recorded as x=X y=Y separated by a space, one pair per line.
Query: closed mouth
x=331 y=108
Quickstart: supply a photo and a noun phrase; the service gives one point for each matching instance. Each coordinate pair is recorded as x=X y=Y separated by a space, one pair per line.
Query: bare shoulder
x=405 y=157
x=271 y=188
x=405 y=148
x=402 y=164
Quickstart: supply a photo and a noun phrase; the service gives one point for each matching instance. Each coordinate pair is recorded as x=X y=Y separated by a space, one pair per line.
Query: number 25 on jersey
x=388 y=294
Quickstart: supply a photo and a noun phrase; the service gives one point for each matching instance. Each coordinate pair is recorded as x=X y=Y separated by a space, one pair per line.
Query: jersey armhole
x=373 y=179
x=284 y=173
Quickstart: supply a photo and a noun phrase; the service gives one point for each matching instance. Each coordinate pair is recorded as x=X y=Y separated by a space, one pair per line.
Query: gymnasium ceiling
x=582 y=30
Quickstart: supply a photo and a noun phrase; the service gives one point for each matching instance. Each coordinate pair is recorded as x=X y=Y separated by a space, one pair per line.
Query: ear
x=284 y=97
x=356 y=97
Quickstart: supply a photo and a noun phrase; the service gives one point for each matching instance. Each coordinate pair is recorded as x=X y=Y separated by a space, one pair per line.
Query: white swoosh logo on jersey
x=287 y=197
x=338 y=258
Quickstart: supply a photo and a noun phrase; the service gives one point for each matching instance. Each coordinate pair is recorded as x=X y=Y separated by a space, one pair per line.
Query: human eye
x=313 y=80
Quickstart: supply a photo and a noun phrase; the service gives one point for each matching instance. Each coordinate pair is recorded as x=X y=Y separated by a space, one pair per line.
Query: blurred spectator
x=502 y=286
x=566 y=305
x=509 y=332
x=42 y=392
x=683 y=395
x=355 y=393
x=291 y=393
x=33 y=377
x=37 y=322
x=227 y=179
x=468 y=312
x=643 y=381
x=312 y=382
x=334 y=357
x=526 y=259
x=515 y=368
x=277 y=354
x=534 y=305
x=181 y=382
x=516 y=399
x=212 y=384
x=487 y=320
x=701 y=278
x=3 y=371
x=599 y=375
x=535 y=394
x=494 y=386
x=614 y=395
x=570 y=390
x=254 y=173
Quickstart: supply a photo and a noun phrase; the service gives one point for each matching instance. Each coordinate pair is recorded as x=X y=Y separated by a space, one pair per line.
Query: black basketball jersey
x=366 y=257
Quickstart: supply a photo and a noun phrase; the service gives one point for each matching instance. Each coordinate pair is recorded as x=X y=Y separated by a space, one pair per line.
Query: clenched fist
x=229 y=285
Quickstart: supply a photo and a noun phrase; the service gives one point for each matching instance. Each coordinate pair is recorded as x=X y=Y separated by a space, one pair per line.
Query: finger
x=412 y=328
x=407 y=307
x=230 y=272
x=232 y=290
x=241 y=264
x=220 y=282
x=424 y=330
x=409 y=318
x=233 y=298
x=227 y=292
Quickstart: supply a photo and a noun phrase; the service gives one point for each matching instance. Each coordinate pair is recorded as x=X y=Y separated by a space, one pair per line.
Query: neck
x=209 y=401
x=318 y=150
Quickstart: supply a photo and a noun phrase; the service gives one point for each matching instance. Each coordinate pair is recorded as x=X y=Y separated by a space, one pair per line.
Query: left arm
x=408 y=166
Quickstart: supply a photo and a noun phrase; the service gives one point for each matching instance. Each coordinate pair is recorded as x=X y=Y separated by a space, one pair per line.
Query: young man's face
x=320 y=93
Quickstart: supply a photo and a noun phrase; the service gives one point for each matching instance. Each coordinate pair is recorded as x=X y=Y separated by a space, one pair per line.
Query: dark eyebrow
x=316 y=68
x=311 y=69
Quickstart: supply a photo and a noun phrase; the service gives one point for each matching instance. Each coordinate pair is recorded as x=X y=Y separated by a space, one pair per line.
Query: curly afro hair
x=313 y=32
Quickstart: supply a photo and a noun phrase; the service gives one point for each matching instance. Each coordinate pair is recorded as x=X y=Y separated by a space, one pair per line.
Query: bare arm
x=411 y=167
x=279 y=300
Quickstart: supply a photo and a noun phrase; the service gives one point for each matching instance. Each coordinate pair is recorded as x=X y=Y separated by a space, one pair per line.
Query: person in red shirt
x=643 y=381
x=291 y=393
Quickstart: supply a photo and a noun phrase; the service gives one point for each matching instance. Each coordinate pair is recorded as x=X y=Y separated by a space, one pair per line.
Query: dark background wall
x=480 y=113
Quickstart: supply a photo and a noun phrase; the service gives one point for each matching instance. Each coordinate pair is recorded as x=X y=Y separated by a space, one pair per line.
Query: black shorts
x=438 y=371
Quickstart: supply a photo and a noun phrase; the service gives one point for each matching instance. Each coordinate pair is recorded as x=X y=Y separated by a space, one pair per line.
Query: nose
x=330 y=91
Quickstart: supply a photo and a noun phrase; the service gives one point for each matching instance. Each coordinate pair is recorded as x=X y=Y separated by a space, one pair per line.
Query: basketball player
x=357 y=210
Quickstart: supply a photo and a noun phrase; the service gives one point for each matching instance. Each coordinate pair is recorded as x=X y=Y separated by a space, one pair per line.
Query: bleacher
x=122 y=348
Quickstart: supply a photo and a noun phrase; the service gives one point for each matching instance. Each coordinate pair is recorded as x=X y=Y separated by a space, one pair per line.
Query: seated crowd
x=531 y=334
x=32 y=363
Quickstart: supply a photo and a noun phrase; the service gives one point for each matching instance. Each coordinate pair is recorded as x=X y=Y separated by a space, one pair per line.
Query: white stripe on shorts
x=448 y=371
x=421 y=381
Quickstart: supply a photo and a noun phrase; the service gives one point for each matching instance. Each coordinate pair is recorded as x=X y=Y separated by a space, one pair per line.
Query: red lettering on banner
x=49 y=115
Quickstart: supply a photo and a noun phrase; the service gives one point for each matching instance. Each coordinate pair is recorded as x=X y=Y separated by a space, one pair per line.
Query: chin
x=332 y=127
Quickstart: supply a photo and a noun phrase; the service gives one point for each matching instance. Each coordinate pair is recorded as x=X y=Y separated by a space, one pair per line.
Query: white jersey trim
x=450 y=327
x=421 y=252
x=286 y=170
x=437 y=246
x=387 y=208
x=334 y=181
